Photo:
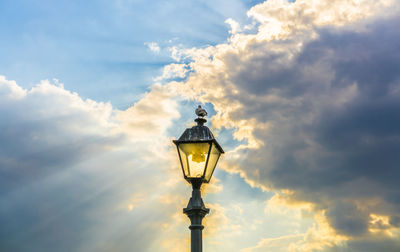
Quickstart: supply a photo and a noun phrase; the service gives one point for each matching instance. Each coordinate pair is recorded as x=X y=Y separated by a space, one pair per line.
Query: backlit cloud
x=77 y=175
x=313 y=93
x=308 y=96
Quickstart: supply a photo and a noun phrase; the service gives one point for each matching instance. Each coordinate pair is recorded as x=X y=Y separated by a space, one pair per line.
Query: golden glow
x=212 y=161
x=199 y=157
x=194 y=157
x=379 y=219
x=380 y=223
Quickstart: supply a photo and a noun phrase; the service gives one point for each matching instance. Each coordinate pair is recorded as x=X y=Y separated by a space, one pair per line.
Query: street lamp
x=198 y=153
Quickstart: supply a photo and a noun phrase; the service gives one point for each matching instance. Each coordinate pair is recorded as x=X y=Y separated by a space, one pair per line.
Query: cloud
x=315 y=94
x=153 y=46
x=312 y=98
x=79 y=175
x=48 y=126
x=280 y=243
x=235 y=26
x=173 y=71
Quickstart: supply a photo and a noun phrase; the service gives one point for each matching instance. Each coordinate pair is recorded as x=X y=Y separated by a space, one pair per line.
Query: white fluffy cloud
x=173 y=71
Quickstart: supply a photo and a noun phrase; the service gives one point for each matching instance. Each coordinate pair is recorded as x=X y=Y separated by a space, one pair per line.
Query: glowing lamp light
x=198 y=152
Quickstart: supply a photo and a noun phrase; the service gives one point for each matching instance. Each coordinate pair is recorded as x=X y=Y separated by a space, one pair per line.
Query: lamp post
x=198 y=154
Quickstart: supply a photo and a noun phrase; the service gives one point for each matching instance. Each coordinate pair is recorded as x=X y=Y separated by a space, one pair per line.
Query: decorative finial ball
x=200 y=112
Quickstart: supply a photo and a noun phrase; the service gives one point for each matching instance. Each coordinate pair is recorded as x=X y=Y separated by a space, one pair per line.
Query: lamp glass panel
x=196 y=155
x=212 y=162
x=184 y=160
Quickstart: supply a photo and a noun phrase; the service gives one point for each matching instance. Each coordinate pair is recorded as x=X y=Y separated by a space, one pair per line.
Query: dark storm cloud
x=373 y=243
x=347 y=219
x=335 y=135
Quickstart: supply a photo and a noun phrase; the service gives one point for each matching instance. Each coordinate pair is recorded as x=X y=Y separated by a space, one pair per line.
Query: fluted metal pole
x=196 y=211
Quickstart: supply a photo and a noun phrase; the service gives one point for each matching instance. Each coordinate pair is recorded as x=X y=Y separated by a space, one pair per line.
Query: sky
x=304 y=97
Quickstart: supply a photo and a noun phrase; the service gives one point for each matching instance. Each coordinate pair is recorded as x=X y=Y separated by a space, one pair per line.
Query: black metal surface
x=196 y=211
x=196 y=134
